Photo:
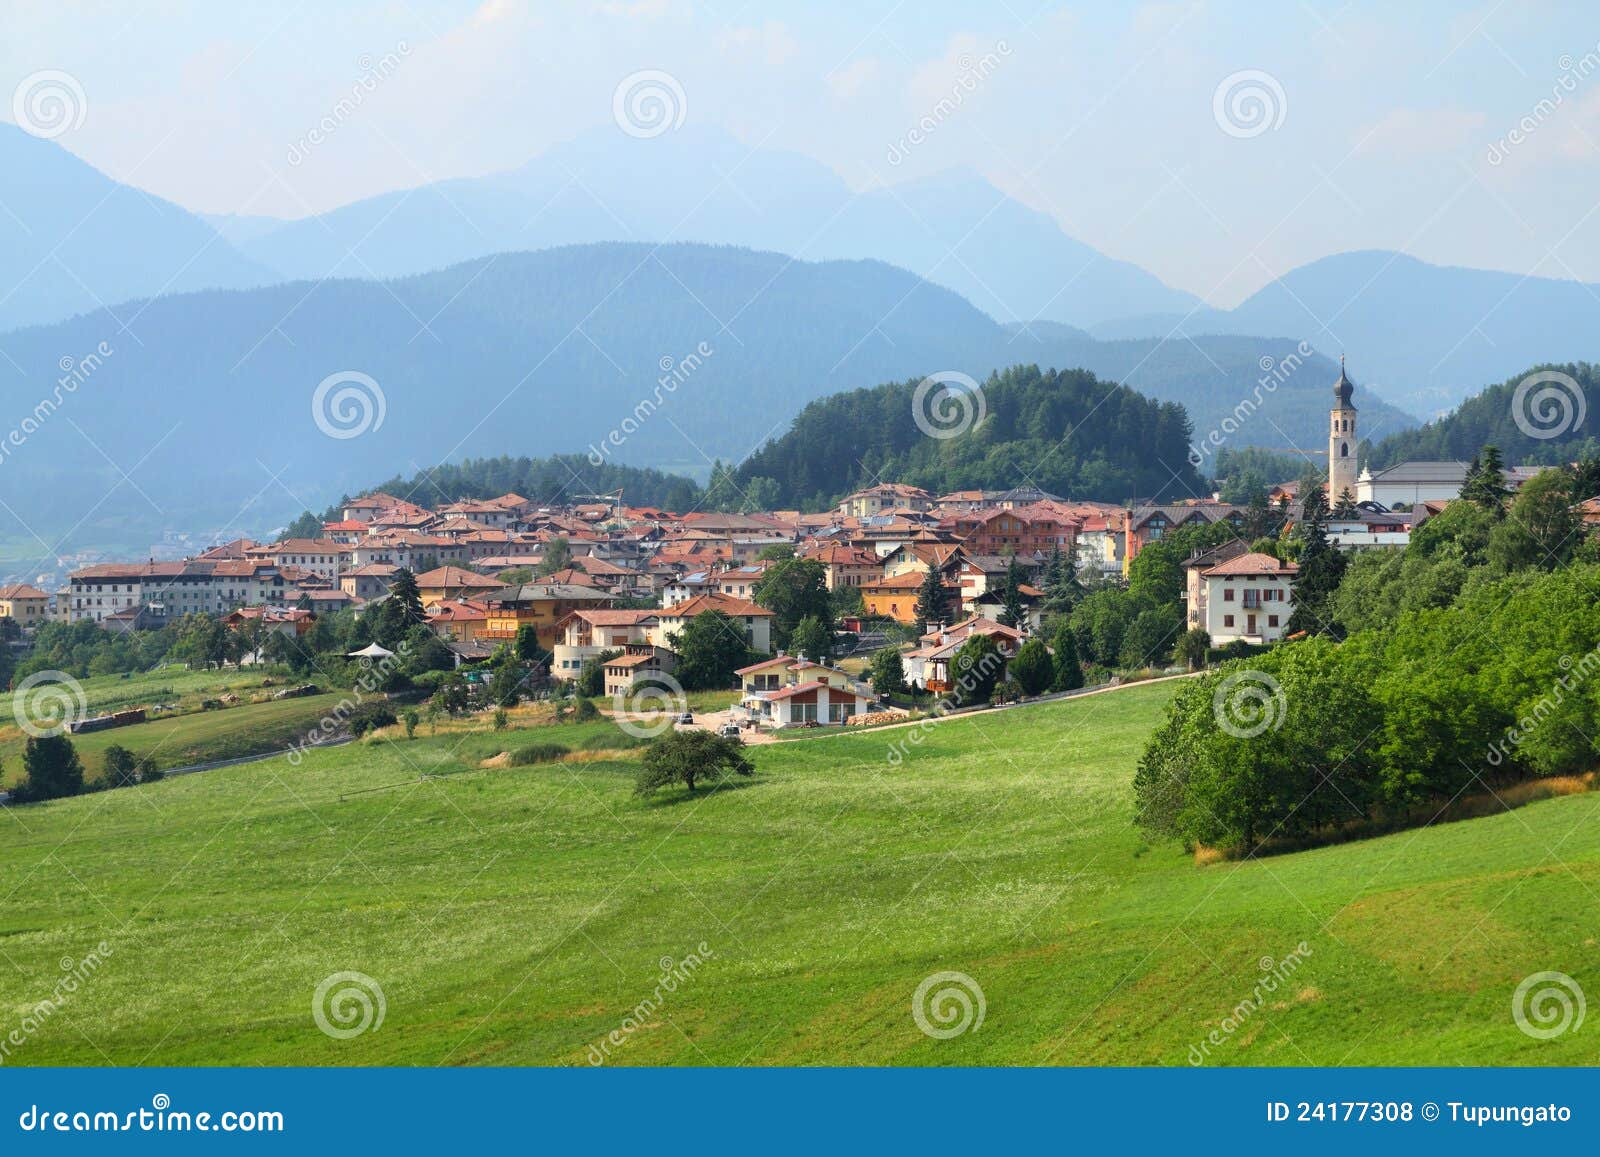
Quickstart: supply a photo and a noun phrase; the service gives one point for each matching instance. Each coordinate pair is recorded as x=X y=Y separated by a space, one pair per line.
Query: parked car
x=729 y=731
x=686 y=717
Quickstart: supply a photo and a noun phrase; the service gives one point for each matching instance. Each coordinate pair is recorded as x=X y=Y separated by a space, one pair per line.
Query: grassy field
x=518 y=916
x=191 y=736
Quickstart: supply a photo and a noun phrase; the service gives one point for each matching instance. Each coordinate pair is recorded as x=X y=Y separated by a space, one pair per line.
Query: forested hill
x=1554 y=419
x=1063 y=430
x=561 y=478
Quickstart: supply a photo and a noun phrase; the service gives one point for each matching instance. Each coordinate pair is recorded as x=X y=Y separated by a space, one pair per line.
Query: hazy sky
x=1385 y=127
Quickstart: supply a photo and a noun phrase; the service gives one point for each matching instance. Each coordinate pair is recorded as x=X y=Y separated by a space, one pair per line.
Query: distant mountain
x=567 y=350
x=1430 y=336
x=73 y=240
x=1554 y=419
x=955 y=230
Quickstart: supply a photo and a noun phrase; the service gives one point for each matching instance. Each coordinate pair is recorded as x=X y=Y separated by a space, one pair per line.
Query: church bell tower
x=1341 y=439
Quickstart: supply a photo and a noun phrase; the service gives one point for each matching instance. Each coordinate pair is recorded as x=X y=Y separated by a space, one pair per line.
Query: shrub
x=539 y=753
x=501 y=719
x=369 y=717
x=585 y=711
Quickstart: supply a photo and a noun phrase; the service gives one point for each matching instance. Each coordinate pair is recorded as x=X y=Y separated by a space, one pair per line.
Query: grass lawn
x=177 y=740
x=517 y=916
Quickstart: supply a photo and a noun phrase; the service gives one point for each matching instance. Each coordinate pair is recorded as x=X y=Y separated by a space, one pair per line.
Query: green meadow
x=524 y=915
x=188 y=735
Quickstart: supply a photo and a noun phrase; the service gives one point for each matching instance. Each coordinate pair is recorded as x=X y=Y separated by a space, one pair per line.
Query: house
x=1028 y=530
x=1249 y=598
x=458 y=620
x=1146 y=524
x=845 y=565
x=584 y=634
x=638 y=662
x=28 y=606
x=539 y=605
x=322 y=555
x=885 y=496
x=682 y=587
x=793 y=691
x=755 y=621
x=1368 y=525
x=896 y=598
x=368 y=582
x=968 y=501
x=1101 y=545
x=451 y=582
x=175 y=589
x=288 y=621
x=991 y=605
x=1195 y=591
x=928 y=664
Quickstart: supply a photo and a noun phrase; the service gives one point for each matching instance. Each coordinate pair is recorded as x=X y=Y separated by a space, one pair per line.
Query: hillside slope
x=516 y=916
x=73 y=240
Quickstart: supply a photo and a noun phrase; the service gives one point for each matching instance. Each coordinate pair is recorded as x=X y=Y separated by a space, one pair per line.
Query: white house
x=584 y=634
x=755 y=621
x=791 y=691
x=1249 y=597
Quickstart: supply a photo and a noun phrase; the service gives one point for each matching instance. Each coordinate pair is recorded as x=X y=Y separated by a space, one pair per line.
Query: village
x=603 y=583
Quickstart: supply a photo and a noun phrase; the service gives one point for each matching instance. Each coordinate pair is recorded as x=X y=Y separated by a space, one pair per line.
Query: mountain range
x=72 y=240
x=1430 y=335
x=210 y=398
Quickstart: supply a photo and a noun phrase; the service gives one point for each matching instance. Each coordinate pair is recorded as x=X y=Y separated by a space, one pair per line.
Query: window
x=1227 y=620
x=1272 y=620
x=1227 y=594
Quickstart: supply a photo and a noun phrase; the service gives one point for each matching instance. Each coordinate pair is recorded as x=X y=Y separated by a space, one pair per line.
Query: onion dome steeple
x=1343 y=387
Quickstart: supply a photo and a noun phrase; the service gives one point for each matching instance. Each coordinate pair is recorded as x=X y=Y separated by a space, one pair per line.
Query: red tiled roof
x=1253 y=563
x=727 y=604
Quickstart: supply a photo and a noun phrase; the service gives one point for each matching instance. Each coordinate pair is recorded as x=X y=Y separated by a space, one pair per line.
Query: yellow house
x=539 y=605
x=452 y=582
x=29 y=606
x=896 y=597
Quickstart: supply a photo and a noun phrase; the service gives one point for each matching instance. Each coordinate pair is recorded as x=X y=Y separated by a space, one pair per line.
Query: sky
x=1463 y=134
